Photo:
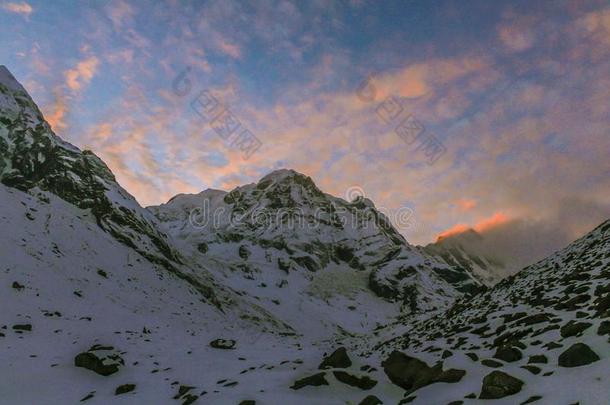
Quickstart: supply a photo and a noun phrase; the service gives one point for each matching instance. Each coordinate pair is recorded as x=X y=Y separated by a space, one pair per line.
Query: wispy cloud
x=82 y=74
x=230 y=49
x=22 y=8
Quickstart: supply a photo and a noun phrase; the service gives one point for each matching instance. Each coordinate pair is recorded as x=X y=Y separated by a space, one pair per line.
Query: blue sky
x=516 y=92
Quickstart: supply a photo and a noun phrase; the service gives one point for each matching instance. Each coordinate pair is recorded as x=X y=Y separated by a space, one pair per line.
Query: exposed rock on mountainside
x=33 y=157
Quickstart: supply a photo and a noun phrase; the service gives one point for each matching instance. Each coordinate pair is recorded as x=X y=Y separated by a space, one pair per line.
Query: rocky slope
x=545 y=332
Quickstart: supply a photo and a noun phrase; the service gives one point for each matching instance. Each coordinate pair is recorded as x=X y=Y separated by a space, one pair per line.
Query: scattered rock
x=498 y=384
x=531 y=399
x=411 y=373
x=573 y=328
x=91 y=362
x=538 y=358
x=371 y=400
x=23 y=327
x=314 y=380
x=364 y=382
x=182 y=390
x=338 y=359
x=552 y=345
x=125 y=388
x=604 y=328
x=532 y=369
x=189 y=399
x=18 y=286
x=508 y=354
x=579 y=354
x=225 y=344
x=452 y=375
x=88 y=396
x=473 y=356
x=491 y=363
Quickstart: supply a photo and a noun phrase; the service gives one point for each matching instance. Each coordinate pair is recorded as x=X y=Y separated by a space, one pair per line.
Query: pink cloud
x=230 y=49
x=22 y=8
x=82 y=74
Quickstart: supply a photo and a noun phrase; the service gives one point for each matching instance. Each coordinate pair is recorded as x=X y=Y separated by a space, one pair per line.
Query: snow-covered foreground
x=77 y=287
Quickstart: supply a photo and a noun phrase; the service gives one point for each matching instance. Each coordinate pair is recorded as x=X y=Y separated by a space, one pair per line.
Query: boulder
x=579 y=354
x=338 y=359
x=508 y=354
x=314 y=380
x=498 y=384
x=604 y=328
x=364 y=382
x=125 y=388
x=538 y=358
x=573 y=328
x=411 y=373
x=371 y=400
x=491 y=363
x=91 y=362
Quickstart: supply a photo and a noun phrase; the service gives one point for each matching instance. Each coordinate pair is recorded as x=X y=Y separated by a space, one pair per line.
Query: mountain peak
x=281 y=174
x=7 y=79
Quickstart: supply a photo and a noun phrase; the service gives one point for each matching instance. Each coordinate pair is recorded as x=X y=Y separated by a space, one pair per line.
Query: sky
x=506 y=103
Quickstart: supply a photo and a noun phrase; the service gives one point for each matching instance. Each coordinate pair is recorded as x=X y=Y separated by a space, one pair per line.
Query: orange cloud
x=484 y=225
x=454 y=230
x=466 y=204
x=497 y=219
x=22 y=8
x=82 y=74
x=57 y=113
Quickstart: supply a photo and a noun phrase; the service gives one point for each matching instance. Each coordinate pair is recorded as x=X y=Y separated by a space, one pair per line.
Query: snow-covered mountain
x=272 y=293
x=285 y=222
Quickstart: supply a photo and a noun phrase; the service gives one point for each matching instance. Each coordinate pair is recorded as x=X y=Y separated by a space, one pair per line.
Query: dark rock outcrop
x=498 y=384
x=579 y=354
